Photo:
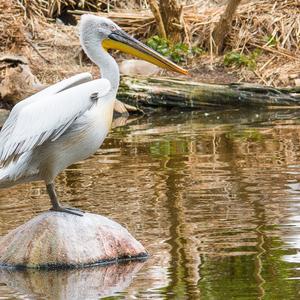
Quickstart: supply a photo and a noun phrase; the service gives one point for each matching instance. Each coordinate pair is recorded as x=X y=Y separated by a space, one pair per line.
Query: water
x=214 y=197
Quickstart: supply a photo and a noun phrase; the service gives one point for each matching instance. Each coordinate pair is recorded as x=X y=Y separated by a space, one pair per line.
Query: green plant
x=179 y=52
x=240 y=59
x=159 y=44
x=271 y=40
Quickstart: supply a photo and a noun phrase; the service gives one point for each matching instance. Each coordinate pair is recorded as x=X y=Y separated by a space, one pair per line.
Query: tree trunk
x=166 y=92
x=171 y=13
x=156 y=13
x=223 y=27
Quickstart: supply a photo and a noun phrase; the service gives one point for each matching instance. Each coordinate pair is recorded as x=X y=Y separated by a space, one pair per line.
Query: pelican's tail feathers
x=17 y=172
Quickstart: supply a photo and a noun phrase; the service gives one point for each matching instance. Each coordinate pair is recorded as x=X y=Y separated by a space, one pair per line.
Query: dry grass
x=54 y=8
x=12 y=37
x=255 y=23
x=272 y=26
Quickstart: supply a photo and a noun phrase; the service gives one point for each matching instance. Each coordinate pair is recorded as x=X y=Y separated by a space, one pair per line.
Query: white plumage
x=60 y=125
x=68 y=121
x=47 y=116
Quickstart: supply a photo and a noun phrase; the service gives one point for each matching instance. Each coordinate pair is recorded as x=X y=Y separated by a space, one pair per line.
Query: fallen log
x=166 y=92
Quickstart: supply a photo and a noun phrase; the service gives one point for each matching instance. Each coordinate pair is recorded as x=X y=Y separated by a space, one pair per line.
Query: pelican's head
x=111 y=36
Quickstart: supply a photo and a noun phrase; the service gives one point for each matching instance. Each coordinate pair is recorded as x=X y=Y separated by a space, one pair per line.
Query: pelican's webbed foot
x=56 y=206
x=69 y=210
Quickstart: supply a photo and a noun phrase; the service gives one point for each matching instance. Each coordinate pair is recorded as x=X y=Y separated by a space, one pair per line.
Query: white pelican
x=69 y=120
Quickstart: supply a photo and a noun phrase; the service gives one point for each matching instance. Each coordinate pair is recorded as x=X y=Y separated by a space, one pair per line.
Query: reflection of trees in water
x=206 y=189
x=184 y=259
x=250 y=160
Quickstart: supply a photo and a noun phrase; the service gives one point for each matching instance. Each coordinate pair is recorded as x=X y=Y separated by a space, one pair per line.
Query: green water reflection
x=214 y=197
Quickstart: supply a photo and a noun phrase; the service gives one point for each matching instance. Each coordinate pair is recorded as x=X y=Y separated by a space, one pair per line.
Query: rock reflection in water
x=89 y=283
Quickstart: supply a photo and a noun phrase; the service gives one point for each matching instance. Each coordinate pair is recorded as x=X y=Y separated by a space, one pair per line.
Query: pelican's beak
x=120 y=40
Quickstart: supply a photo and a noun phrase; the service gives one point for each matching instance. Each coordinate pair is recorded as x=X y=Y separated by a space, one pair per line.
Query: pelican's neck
x=109 y=68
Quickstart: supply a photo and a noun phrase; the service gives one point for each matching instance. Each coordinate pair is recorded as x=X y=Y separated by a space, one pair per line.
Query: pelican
x=68 y=121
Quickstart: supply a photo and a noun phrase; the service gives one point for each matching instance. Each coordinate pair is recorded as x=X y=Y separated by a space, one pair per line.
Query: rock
x=60 y=240
x=3 y=116
x=16 y=80
x=75 y=284
x=132 y=67
x=120 y=109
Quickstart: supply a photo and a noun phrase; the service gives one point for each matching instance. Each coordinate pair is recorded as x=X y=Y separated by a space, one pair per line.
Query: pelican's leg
x=56 y=206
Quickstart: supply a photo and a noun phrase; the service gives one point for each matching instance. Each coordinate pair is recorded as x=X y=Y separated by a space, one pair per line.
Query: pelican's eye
x=109 y=27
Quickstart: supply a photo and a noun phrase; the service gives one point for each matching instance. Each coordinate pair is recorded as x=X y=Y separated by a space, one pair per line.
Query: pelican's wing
x=47 y=117
x=62 y=85
x=51 y=90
